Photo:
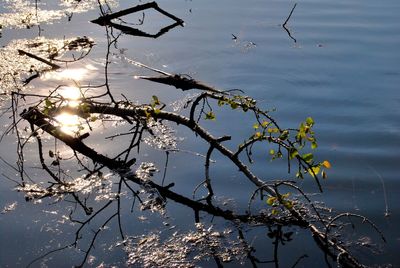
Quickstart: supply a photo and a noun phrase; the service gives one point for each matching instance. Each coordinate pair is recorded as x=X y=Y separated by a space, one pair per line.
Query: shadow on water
x=65 y=132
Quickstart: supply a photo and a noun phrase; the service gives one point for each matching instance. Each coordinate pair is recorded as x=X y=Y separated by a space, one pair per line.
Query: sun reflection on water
x=76 y=74
x=72 y=95
x=70 y=123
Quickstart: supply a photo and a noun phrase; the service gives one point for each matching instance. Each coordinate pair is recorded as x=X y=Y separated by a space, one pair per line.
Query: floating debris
x=201 y=244
x=10 y=207
x=146 y=170
x=26 y=14
x=162 y=137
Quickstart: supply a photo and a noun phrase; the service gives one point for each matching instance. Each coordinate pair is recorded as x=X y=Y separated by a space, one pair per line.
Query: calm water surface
x=342 y=67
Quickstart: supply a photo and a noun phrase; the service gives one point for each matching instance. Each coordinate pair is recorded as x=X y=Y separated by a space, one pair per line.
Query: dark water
x=341 y=66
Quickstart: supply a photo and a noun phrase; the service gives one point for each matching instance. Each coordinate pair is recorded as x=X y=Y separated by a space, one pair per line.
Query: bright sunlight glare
x=72 y=94
x=72 y=74
x=69 y=123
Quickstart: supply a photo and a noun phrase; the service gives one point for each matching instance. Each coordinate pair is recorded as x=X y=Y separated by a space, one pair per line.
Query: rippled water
x=342 y=67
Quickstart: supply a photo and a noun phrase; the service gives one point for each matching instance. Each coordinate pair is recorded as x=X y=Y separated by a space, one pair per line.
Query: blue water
x=343 y=70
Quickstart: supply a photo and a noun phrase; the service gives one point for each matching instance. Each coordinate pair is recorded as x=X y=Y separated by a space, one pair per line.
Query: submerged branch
x=52 y=65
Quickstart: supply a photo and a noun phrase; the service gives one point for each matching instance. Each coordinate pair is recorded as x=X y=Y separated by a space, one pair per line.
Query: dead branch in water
x=286 y=21
x=52 y=65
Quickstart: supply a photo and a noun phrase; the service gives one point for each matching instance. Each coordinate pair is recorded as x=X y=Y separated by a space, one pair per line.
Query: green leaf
x=310 y=121
x=272 y=152
x=308 y=157
x=85 y=107
x=255 y=125
x=314 y=145
x=288 y=204
x=284 y=135
x=271 y=200
x=284 y=196
x=48 y=103
x=234 y=105
x=293 y=153
x=93 y=118
x=156 y=101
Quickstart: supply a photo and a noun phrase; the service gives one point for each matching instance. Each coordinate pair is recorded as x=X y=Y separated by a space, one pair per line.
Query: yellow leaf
x=257 y=135
x=313 y=171
x=271 y=200
x=326 y=164
x=264 y=124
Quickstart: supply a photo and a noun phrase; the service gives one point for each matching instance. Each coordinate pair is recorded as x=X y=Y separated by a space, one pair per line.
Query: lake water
x=341 y=66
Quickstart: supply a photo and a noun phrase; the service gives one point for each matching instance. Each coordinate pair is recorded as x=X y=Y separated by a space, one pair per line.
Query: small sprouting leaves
x=284 y=135
x=273 y=130
x=258 y=135
x=305 y=133
x=234 y=105
x=280 y=200
x=210 y=116
x=293 y=153
x=85 y=110
x=156 y=106
x=314 y=145
x=271 y=200
x=155 y=101
x=264 y=124
x=47 y=103
x=308 y=157
x=48 y=106
x=93 y=118
x=238 y=101
x=325 y=164
x=314 y=171
x=310 y=121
